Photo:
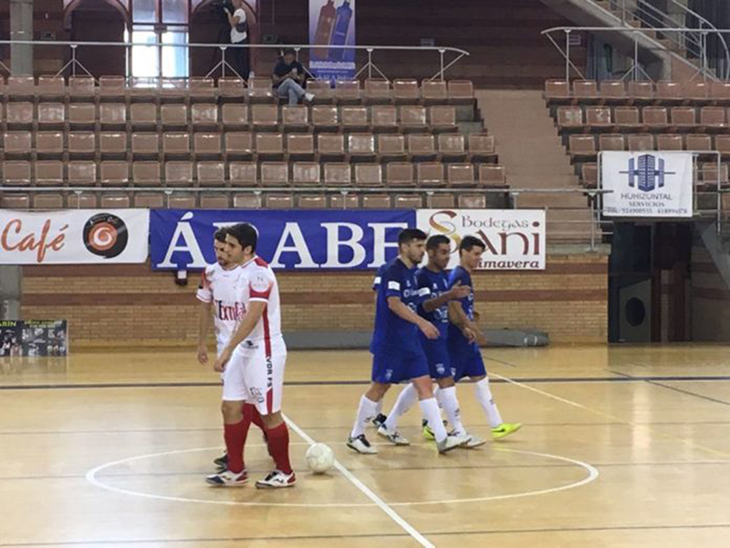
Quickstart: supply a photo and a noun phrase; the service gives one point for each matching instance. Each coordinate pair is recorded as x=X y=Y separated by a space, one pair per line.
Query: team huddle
x=425 y=330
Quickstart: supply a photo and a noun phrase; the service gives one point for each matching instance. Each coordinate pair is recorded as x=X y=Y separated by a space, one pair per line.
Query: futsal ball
x=320 y=458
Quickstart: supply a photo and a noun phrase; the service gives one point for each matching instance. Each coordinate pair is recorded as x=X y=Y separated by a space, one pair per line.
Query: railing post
x=705 y=66
x=623 y=13
x=636 y=57
x=592 y=201
x=370 y=62
x=73 y=59
x=441 y=55
x=223 y=61
x=567 y=55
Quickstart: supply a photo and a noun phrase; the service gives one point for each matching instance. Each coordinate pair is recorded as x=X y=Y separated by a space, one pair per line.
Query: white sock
x=403 y=403
x=447 y=399
x=379 y=408
x=431 y=413
x=436 y=390
x=365 y=413
x=484 y=395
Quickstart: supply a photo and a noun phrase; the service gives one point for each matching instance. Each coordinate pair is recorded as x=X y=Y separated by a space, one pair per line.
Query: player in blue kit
x=433 y=286
x=465 y=337
x=396 y=347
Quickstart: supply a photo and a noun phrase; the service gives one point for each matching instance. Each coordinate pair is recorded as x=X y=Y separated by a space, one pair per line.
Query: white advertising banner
x=655 y=184
x=79 y=236
x=514 y=238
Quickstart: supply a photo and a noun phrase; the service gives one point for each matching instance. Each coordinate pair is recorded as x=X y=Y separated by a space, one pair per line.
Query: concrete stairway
x=530 y=148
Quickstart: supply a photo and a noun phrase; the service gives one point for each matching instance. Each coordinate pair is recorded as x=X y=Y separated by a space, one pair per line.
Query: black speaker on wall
x=630 y=283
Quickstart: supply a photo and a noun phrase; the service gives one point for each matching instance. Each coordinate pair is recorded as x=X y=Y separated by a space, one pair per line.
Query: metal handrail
x=636 y=68
x=74 y=45
x=659 y=20
x=591 y=192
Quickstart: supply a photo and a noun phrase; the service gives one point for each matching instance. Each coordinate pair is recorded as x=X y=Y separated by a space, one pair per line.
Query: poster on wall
x=332 y=23
x=288 y=239
x=33 y=338
x=656 y=184
x=77 y=236
x=514 y=238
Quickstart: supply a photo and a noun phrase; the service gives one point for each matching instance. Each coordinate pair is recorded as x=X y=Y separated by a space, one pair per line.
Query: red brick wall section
x=119 y=304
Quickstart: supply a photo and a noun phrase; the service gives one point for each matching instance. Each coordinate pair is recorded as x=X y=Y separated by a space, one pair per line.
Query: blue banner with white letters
x=288 y=239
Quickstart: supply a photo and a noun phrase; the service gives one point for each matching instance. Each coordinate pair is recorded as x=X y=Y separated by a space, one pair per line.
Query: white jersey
x=220 y=287
x=257 y=283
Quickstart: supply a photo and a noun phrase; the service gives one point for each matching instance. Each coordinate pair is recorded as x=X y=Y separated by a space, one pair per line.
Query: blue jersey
x=457 y=342
x=431 y=285
x=392 y=333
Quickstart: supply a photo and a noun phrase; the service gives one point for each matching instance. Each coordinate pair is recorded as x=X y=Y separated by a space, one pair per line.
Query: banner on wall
x=288 y=239
x=332 y=23
x=33 y=338
x=515 y=239
x=78 y=236
x=656 y=184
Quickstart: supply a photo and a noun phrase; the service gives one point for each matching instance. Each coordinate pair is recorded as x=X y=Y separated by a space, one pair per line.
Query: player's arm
x=457 y=292
x=204 y=322
x=401 y=310
x=471 y=330
x=244 y=329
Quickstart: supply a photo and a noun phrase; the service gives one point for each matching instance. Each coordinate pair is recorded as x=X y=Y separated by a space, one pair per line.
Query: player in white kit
x=253 y=362
x=217 y=296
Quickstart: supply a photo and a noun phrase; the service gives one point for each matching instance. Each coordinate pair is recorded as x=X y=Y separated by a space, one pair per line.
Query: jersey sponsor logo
x=230 y=312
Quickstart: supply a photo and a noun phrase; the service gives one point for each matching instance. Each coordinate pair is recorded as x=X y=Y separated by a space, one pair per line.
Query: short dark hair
x=220 y=234
x=407 y=235
x=469 y=242
x=289 y=51
x=246 y=235
x=435 y=241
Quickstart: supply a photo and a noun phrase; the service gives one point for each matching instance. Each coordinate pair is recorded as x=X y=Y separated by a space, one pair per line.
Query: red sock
x=255 y=416
x=279 y=447
x=235 y=436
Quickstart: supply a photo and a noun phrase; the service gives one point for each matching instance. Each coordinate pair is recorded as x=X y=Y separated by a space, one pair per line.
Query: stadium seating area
x=642 y=116
x=198 y=144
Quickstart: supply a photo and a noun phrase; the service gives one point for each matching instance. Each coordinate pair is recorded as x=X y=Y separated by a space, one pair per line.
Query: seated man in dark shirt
x=289 y=77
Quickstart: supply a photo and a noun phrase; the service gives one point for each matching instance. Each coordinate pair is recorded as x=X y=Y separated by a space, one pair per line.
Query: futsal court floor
x=622 y=446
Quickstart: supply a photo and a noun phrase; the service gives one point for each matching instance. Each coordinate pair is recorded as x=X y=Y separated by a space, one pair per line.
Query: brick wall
x=107 y=304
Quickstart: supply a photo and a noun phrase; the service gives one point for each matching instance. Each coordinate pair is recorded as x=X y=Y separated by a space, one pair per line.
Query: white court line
x=686 y=441
x=91 y=477
x=392 y=514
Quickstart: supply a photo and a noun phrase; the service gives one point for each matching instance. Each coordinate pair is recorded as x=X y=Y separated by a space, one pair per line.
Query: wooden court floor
x=622 y=447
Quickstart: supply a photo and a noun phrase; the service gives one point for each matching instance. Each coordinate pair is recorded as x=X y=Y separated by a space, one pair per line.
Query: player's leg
x=432 y=414
x=477 y=372
x=405 y=400
x=379 y=417
x=248 y=410
x=366 y=410
x=439 y=366
x=265 y=382
x=235 y=425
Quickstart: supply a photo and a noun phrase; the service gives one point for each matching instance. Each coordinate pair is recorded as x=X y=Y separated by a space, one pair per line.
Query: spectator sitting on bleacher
x=289 y=78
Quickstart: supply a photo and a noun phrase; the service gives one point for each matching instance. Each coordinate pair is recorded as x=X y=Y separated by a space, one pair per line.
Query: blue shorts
x=392 y=368
x=437 y=355
x=467 y=365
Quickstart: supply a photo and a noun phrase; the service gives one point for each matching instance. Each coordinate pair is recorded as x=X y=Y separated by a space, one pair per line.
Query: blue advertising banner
x=288 y=239
x=332 y=23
